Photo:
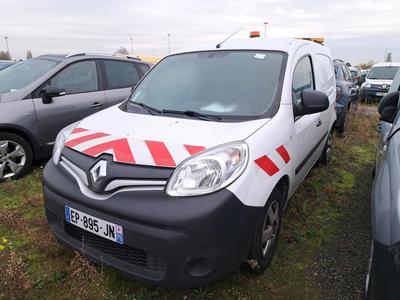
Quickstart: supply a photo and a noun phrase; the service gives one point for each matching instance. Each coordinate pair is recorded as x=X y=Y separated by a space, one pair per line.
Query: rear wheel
x=343 y=124
x=15 y=156
x=327 y=153
x=266 y=235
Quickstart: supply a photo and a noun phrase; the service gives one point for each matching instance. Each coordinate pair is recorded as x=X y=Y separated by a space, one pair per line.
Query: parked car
x=356 y=74
x=42 y=95
x=6 y=63
x=378 y=80
x=384 y=272
x=194 y=170
x=346 y=94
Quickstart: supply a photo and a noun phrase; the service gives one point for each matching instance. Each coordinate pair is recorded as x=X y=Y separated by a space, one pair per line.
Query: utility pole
x=384 y=59
x=132 y=46
x=8 y=49
x=169 y=43
x=265 y=28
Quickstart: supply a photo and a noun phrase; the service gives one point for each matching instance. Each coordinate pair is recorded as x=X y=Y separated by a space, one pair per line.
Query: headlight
x=366 y=85
x=60 y=140
x=209 y=171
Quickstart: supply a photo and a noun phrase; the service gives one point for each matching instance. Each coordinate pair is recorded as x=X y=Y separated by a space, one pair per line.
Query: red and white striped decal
x=274 y=162
x=129 y=150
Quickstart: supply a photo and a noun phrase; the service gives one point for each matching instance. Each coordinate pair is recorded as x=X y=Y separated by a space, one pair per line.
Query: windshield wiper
x=191 y=113
x=150 y=109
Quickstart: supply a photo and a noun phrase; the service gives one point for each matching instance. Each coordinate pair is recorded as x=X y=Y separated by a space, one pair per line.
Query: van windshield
x=23 y=74
x=382 y=72
x=217 y=83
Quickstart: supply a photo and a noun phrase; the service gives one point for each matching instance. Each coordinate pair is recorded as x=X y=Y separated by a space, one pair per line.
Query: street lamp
x=8 y=49
x=132 y=46
x=169 y=43
x=265 y=28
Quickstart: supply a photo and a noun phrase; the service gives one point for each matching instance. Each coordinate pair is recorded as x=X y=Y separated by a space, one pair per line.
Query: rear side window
x=302 y=79
x=324 y=74
x=144 y=68
x=120 y=74
x=79 y=77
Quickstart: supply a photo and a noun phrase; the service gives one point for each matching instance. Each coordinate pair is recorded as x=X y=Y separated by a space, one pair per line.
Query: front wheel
x=15 y=156
x=266 y=235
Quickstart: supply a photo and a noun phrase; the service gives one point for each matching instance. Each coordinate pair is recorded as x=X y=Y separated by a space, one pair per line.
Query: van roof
x=273 y=44
x=387 y=64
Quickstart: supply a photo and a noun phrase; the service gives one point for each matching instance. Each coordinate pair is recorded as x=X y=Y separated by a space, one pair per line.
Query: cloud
x=45 y=26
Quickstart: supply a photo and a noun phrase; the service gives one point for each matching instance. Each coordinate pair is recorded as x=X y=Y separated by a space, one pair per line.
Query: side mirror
x=388 y=107
x=311 y=102
x=49 y=92
x=361 y=79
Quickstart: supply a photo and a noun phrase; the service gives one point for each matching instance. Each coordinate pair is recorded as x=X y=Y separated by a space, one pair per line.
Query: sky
x=354 y=30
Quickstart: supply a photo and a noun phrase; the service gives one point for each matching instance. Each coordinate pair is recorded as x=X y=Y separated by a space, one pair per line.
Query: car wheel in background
x=15 y=156
x=266 y=235
x=343 y=123
x=327 y=153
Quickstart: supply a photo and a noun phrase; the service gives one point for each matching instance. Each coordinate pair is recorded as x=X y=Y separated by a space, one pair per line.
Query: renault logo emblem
x=99 y=172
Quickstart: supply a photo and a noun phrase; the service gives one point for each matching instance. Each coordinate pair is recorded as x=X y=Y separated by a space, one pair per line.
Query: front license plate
x=380 y=94
x=94 y=225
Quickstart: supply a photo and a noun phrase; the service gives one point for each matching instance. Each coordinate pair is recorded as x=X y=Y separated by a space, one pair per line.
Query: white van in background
x=378 y=80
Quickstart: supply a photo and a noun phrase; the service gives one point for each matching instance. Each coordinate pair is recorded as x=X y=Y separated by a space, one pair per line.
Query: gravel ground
x=341 y=267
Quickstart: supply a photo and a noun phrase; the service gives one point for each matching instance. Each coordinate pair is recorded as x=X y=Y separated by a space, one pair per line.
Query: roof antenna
x=219 y=45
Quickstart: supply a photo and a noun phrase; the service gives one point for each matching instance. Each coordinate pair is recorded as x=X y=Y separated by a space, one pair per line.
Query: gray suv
x=384 y=273
x=40 y=96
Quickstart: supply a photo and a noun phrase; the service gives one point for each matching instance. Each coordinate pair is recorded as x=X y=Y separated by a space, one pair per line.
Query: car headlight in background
x=60 y=141
x=209 y=171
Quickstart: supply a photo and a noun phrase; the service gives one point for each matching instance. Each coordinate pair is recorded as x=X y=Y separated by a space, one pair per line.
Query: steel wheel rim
x=270 y=227
x=12 y=158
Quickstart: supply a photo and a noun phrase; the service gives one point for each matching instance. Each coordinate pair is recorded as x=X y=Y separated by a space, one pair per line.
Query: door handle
x=319 y=123
x=97 y=104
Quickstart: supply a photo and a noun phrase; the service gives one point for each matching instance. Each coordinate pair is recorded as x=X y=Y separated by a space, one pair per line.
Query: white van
x=378 y=80
x=189 y=177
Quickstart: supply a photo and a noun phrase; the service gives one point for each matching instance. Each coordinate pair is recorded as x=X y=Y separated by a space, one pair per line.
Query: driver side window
x=79 y=77
x=303 y=79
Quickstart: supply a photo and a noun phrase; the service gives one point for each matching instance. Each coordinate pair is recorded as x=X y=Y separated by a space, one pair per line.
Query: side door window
x=144 y=68
x=80 y=77
x=303 y=78
x=120 y=74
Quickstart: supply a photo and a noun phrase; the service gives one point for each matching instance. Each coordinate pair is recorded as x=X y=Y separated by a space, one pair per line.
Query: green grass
x=311 y=221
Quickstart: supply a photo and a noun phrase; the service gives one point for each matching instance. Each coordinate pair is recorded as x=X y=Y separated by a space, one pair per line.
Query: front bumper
x=373 y=94
x=173 y=242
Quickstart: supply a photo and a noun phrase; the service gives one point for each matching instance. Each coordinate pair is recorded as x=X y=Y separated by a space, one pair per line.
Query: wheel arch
x=283 y=187
x=22 y=132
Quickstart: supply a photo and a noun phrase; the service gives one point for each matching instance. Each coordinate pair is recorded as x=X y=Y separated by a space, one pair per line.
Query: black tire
x=342 y=127
x=327 y=153
x=5 y=136
x=258 y=261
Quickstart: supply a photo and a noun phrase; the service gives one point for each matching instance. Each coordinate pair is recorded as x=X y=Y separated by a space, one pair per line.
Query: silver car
x=383 y=281
x=40 y=96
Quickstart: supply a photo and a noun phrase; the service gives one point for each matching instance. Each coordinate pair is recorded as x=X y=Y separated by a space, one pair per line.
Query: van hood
x=153 y=140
